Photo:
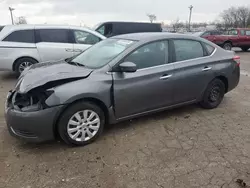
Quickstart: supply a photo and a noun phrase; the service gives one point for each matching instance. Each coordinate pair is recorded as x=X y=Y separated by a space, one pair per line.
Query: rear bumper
x=32 y=126
x=234 y=80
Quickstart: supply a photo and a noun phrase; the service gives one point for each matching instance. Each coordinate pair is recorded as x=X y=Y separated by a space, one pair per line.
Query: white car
x=24 y=45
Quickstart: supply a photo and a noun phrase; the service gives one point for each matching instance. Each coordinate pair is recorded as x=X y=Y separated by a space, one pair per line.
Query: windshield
x=97 y=26
x=101 y=30
x=102 y=53
x=1 y=27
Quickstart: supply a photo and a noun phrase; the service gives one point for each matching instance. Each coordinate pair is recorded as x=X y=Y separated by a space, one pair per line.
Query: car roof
x=28 y=26
x=151 y=36
x=10 y=28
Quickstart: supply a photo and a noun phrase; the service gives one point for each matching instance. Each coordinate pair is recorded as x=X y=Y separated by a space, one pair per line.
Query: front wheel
x=227 y=46
x=22 y=64
x=81 y=124
x=213 y=95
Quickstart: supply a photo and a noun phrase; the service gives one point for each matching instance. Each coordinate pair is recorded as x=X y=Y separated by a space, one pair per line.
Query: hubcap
x=214 y=94
x=227 y=47
x=24 y=65
x=83 y=125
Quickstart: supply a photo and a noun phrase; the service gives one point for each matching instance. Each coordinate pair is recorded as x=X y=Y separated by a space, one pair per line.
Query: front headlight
x=31 y=101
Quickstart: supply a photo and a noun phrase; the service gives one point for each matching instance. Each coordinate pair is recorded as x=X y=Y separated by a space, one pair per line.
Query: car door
x=54 y=44
x=193 y=70
x=212 y=36
x=247 y=38
x=17 y=44
x=83 y=40
x=150 y=87
x=242 y=41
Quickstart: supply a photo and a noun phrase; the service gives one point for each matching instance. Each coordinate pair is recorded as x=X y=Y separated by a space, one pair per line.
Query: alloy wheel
x=215 y=94
x=83 y=125
x=227 y=46
x=23 y=66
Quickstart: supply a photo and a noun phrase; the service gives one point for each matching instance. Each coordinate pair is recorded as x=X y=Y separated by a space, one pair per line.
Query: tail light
x=237 y=60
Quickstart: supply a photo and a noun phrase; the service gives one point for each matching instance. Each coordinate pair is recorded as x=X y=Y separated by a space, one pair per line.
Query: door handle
x=68 y=50
x=164 y=77
x=78 y=50
x=207 y=68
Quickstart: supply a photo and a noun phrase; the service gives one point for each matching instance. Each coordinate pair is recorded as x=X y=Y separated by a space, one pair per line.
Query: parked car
x=24 y=45
x=113 y=81
x=207 y=34
x=110 y=29
x=233 y=38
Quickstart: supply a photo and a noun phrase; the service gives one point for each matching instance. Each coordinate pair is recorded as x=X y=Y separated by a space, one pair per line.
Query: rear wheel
x=227 y=46
x=244 y=49
x=81 y=124
x=213 y=95
x=23 y=63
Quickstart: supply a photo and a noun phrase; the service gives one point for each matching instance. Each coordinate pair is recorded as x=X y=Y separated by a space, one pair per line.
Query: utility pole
x=11 y=9
x=190 y=15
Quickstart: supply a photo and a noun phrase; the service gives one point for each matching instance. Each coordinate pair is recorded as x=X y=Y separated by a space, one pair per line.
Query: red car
x=233 y=38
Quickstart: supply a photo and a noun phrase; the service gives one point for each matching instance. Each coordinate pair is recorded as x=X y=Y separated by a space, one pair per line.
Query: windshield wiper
x=75 y=63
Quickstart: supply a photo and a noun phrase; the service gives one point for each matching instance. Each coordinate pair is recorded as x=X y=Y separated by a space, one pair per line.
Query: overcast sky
x=91 y=12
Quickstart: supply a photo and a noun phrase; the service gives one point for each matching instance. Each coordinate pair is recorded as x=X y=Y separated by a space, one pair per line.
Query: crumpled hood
x=43 y=73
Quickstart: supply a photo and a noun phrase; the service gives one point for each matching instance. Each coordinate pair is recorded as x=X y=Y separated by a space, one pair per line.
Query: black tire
x=210 y=99
x=227 y=46
x=67 y=115
x=21 y=61
x=244 y=49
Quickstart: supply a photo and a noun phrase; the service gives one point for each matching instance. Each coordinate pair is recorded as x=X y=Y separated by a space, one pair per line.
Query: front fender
x=98 y=88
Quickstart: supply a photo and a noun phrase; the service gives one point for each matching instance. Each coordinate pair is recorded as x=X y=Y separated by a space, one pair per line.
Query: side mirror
x=127 y=67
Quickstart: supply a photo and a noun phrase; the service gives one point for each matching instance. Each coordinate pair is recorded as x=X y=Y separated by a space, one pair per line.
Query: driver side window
x=83 y=37
x=233 y=32
x=149 y=55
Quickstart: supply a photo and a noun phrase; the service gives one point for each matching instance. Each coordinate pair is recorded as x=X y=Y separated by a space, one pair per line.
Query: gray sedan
x=118 y=79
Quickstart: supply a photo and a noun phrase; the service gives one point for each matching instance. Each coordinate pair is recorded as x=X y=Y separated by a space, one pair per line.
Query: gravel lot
x=185 y=147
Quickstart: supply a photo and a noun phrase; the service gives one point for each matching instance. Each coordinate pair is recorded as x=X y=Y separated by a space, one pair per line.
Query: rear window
x=53 y=35
x=248 y=32
x=26 y=36
x=187 y=49
x=210 y=49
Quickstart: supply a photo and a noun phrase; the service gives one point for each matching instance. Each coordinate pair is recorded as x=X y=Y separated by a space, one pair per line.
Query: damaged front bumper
x=31 y=124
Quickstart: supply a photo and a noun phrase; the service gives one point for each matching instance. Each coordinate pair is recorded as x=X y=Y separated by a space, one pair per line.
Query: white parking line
x=245 y=73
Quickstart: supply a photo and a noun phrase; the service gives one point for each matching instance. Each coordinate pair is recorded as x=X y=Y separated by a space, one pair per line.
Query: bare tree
x=21 y=20
x=177 y=25
x=235 y=17
x=243 y=15
x=151 y=17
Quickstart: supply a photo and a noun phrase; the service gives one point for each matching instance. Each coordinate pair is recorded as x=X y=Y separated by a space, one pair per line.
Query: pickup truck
x=233 y=38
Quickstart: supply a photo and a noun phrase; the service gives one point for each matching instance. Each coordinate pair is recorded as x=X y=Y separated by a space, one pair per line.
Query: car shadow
x=8 y=76
x=180 y=112
x=53 y=146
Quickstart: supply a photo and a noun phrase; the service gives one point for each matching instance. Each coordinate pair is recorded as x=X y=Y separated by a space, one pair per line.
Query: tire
x=22 y=63
x=76 y=128
x=244 y=49
x=213 y=95
x=227 y=46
